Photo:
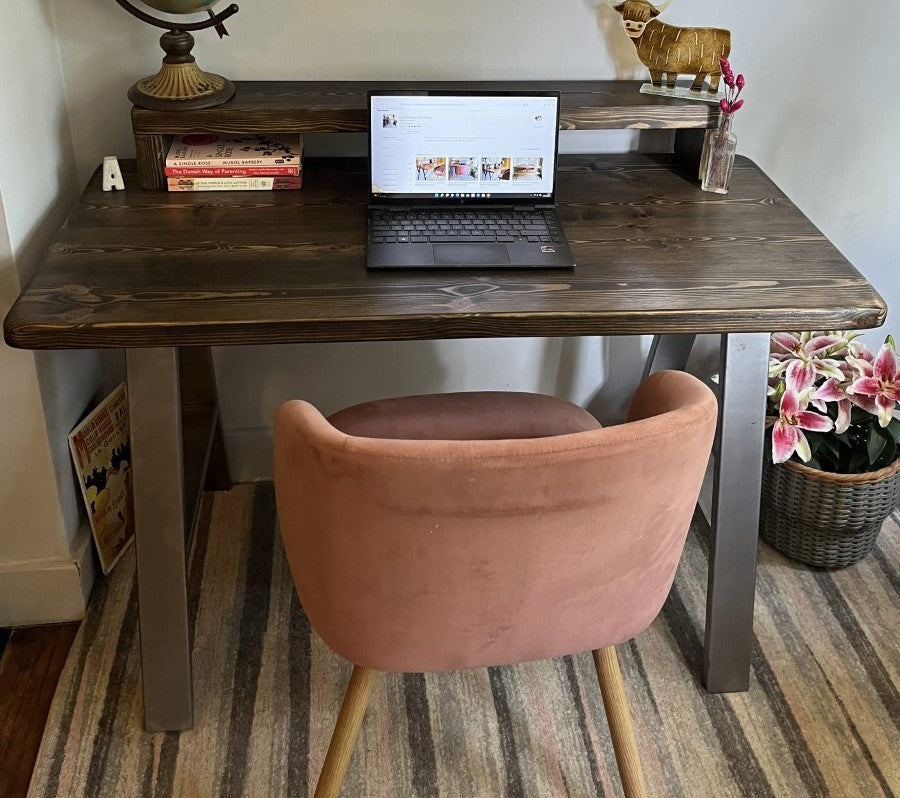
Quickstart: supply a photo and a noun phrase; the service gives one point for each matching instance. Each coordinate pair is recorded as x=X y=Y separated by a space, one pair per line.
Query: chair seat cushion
x=477 y=415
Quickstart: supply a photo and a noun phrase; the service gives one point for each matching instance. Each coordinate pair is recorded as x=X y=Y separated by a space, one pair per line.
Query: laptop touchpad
x=471 y=254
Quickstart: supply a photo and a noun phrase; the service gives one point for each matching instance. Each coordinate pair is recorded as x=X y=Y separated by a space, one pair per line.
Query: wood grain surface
x=655 y=254
x=340 y=106
x=29 y=670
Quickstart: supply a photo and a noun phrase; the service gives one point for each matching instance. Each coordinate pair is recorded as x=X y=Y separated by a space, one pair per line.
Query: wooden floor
x=30 y=665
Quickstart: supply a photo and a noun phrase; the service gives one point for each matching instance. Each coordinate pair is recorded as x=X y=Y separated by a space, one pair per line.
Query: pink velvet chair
x=434 y=533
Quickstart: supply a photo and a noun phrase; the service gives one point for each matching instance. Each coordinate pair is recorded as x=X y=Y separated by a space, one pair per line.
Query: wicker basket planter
x=823 y=519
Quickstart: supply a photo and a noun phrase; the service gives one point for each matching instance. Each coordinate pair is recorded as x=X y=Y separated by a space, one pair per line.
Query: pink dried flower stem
x=733 y=88
x=730 y=103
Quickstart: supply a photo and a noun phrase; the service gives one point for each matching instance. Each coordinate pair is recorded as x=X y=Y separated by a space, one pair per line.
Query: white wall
x=46 y=567
x=819 y=118
x=313 y=40
x=822 y=120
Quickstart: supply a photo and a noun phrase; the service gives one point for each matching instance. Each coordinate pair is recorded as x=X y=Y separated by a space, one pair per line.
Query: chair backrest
x=438 y=555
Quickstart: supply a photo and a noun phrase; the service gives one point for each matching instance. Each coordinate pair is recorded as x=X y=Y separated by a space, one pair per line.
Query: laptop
x=464 y=180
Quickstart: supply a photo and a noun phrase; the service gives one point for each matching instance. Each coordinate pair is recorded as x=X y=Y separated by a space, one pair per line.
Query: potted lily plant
x=832 y=474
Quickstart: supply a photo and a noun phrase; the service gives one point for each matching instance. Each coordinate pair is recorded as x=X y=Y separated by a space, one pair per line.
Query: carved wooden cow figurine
x=673 y=51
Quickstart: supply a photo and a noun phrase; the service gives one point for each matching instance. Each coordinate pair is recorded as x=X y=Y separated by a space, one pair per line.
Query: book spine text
x=232 y=171
x=234 y=183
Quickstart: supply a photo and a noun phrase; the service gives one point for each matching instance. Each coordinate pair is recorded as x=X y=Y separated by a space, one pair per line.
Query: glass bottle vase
x=717 y=159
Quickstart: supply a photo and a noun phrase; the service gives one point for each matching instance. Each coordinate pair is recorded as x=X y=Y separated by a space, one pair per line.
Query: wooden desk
x=169 y=275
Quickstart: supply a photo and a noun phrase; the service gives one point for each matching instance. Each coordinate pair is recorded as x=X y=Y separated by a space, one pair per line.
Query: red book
x=232 y=171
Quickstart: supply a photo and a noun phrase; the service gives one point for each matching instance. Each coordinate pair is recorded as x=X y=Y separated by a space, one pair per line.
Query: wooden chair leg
x=619 y=720
x=346 y=730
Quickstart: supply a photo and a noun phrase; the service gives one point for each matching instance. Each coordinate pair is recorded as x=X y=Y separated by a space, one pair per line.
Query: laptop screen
x=463 y=148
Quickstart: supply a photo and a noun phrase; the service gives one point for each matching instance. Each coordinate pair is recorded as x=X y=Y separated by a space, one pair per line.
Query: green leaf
x=857 y=462
x=875 y=444
x=894 y=429
x=889 y=454
x=816 y=439
x=859 y=416
x=833 y=447
x=843 y=466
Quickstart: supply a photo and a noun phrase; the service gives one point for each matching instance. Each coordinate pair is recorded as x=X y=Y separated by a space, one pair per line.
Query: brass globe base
x=181 y=87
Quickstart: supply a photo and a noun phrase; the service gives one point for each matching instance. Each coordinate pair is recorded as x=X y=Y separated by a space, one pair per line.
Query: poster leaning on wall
x=101 y=450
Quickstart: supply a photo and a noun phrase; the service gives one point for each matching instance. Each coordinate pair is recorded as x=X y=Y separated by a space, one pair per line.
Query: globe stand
x=181 y=84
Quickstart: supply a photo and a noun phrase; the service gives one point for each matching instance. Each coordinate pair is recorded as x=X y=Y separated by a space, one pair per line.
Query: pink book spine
x=232 y=171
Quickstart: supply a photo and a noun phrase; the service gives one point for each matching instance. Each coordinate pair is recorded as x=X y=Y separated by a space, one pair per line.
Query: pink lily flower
x=810 y=343
x=832 y=390
x=804 y=358
x=861 y=359
x=859 y=349
x=800 y=375
x=859 y=364
x=882 y=384
x=793 y=418
x=867 y=403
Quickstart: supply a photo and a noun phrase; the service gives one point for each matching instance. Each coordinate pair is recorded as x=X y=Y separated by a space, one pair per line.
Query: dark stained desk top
x=655 y=255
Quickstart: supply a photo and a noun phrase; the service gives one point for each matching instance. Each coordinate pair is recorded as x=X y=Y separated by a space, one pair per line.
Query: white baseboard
x=39 y=592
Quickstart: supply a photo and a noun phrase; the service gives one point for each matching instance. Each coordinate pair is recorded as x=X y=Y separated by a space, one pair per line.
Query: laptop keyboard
x=449 y=227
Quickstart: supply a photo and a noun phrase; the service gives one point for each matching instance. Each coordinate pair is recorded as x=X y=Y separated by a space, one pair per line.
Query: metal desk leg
x=668 y=352
x=198 y=392
x=154 y=398
x=743 y=371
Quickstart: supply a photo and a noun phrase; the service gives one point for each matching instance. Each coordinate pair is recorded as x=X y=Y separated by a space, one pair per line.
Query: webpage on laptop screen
x=471 y=146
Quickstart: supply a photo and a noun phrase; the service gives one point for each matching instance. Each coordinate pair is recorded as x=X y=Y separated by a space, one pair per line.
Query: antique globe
x=180 y=83
x=180 y=6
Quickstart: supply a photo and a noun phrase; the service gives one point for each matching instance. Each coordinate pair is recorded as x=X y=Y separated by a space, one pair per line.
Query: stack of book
x=257 y=162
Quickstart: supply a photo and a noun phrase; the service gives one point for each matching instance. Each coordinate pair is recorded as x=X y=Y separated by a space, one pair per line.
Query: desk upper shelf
x=340 y=107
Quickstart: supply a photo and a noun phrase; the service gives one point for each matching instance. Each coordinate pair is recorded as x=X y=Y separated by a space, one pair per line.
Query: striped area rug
x=820 y=719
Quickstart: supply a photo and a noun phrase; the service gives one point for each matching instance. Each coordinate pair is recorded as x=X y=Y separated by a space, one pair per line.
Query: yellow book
x=101 y=450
